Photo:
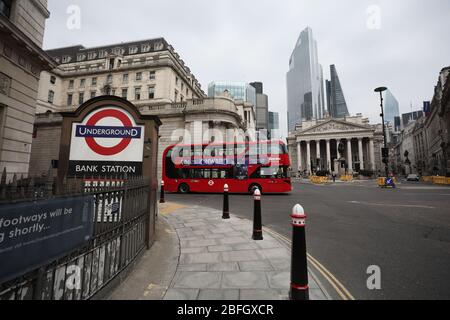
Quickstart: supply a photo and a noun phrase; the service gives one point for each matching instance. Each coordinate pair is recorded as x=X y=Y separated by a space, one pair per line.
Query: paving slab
x=212 y=259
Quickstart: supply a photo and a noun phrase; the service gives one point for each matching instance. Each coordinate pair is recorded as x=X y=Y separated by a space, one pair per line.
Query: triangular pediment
x=336 y=126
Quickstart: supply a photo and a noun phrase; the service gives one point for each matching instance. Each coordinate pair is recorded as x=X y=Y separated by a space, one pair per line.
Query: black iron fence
x=121 y=224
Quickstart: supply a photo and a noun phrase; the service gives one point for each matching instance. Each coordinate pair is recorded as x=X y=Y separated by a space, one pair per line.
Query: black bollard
x=226 y=204
x=162 y=199
x=257 y=220
x=299 y=265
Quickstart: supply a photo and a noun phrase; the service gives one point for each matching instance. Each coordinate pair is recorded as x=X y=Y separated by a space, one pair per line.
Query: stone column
x=338 y=141
x=317 y=151
x=361 y=153
x=328 y=156
x=372 y=154
x=308 y=156
x=299 y=156
x=349 y=156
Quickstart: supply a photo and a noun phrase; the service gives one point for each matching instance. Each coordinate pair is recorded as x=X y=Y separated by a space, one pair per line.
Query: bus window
x=270 y=173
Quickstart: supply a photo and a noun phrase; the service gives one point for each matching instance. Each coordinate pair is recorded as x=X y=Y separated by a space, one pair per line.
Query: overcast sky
x=403 y=48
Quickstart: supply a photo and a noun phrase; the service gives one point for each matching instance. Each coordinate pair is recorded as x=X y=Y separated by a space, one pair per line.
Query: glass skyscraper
x=392 y=108
x=305 y=89
x=337 y=106
x=237 y=90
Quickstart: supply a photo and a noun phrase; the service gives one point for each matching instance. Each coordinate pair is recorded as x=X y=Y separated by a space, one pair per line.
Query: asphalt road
x=406 y=232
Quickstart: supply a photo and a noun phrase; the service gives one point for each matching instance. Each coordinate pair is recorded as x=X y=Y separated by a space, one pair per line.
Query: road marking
x=391 y=205
x=334 y=282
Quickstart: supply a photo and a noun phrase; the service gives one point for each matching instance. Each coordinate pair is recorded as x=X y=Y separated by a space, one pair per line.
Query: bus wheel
x=253 y=188
x=183 y=188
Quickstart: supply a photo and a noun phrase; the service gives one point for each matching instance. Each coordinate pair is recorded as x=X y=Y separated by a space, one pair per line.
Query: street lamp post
x=386 y=162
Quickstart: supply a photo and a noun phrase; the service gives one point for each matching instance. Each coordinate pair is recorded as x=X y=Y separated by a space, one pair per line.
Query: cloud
x=252 y=40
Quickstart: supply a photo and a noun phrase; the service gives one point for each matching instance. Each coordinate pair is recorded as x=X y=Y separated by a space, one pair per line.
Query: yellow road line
x=335 y=283
x=340 y=293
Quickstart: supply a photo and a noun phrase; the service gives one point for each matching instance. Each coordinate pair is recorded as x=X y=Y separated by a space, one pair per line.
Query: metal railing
x=121 y=220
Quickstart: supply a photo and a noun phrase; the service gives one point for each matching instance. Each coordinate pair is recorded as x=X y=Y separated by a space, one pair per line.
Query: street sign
x=107 y=142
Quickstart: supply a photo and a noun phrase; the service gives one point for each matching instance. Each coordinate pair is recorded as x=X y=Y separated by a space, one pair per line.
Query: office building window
x=5 y=7
x=94 y=82
x=187 y=92
x=82 y=83
x=138 y=76
x=125 y=93
x=53 y=80
x=109 y=79
x=182 y=87
x=125 y=78
x=152 y=75
x=51 y=96
x=137 y=93
x=92 y=55
x=81 y=98
x=151 y=92
x=176 y=95
x=93 y=94
x=177 y=80
x=71 y=84
x=69 y=99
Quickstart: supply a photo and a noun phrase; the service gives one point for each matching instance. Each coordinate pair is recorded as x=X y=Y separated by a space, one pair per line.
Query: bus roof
x=226 y=143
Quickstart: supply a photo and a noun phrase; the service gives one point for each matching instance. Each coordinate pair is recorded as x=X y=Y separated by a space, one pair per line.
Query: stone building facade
x=152 y=76
x=22 y=24
x=432 y=133
x=343 y=146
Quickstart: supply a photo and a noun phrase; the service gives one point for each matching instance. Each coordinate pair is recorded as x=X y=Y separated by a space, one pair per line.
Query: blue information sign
x=33 y=234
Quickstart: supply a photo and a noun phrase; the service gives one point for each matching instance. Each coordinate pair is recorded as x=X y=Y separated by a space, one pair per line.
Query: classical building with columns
x=148 y=73
x=343 y=146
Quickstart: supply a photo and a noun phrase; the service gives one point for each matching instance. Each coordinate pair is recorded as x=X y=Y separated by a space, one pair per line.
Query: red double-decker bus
x=243 y=166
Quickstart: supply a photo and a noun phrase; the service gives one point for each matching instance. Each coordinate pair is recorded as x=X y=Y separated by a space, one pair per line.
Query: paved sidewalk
x=200 y=256
x=220 y=261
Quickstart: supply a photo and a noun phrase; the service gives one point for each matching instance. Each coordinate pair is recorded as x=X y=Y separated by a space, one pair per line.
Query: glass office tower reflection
x=392 y=108
x=237 y=90
x=337 y=106
x=305 y=89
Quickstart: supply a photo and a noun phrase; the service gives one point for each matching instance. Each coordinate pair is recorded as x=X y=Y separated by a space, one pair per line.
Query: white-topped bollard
x=299 y=264
x=226 y=205
x=162 y=197
x=257 y=219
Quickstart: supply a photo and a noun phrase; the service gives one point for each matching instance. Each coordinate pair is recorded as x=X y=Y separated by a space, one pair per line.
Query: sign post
x=108 y=137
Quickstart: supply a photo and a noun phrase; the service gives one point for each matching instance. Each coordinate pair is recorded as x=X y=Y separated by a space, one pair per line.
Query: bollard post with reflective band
x=226 y=205
x=257 y=219
x=299 y=265
x=162 y=199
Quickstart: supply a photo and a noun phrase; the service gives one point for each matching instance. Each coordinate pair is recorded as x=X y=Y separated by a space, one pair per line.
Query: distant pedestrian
x=334 y=177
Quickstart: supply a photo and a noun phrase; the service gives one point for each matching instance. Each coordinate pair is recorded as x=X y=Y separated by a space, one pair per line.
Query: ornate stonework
x=334 y=126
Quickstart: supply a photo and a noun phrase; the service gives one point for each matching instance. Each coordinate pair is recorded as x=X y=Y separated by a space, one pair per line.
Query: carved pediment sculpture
x=333 y=127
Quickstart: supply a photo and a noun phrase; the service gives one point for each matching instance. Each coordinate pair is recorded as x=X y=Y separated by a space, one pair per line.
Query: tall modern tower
x=305 y=90
x=392 y=107
x=337 y=106
x=262 y=107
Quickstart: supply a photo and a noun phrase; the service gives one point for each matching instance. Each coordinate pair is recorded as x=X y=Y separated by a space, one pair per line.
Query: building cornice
x=23 y=41
x=41 y=8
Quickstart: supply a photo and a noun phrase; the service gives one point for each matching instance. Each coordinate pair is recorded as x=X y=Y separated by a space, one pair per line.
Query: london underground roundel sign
x=108 y=140
x=91 y=130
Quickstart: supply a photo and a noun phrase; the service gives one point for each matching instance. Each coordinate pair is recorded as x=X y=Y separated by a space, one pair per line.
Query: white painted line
x=391 y=205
